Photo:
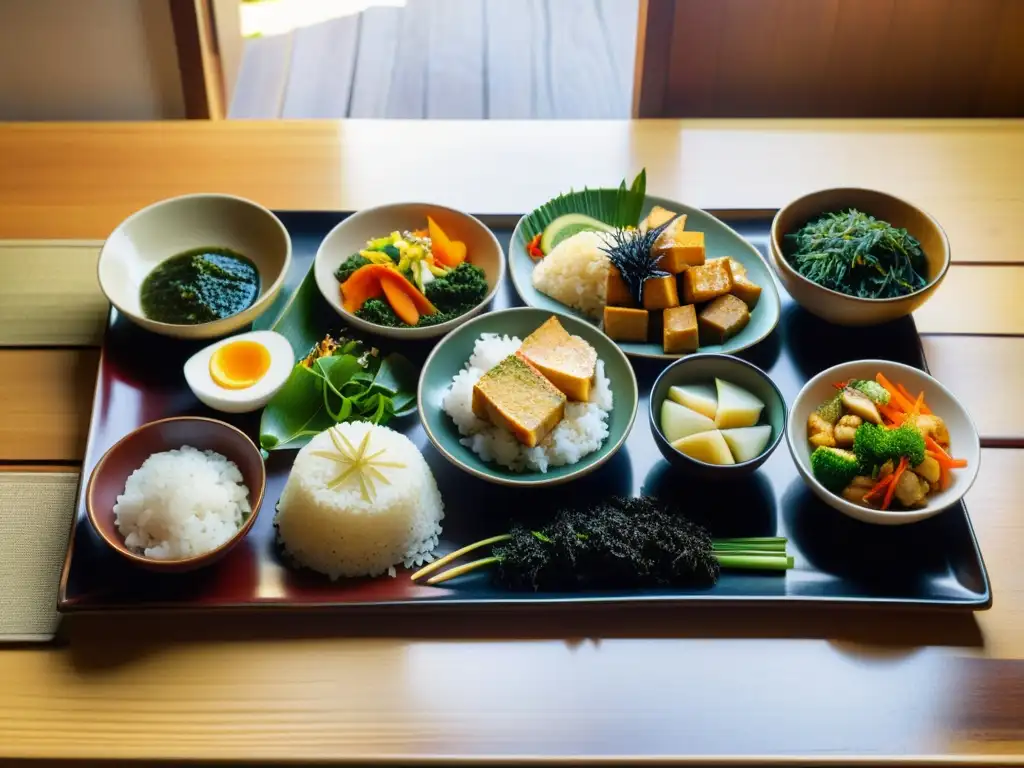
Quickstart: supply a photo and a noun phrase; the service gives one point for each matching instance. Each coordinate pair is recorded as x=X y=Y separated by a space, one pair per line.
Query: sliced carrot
x=446 y=251
x=393 y=281
x=363 y=284
x=900 y=468
x=400 y=301
x=892 y=414
x=903 y=391
x=895 y=398
x=941 y=456
x=878 y=492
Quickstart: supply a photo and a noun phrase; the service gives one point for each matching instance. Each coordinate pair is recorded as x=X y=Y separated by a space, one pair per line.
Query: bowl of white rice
x=587 y=436
x=176 y=494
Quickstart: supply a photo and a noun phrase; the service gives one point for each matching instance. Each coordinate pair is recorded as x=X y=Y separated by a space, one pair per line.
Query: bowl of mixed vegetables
x=409 y=270
x=858 y=256
x=883 y=442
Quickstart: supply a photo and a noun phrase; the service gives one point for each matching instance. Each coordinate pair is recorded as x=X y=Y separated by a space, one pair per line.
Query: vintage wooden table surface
x=709 y=685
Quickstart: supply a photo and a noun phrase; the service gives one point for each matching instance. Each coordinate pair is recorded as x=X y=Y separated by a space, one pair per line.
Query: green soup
x=200 y=286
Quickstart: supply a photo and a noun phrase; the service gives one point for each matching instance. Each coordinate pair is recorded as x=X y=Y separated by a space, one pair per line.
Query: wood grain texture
x=619 y=22
x=510 y=50
x=407 y=94
x=202 y=81
x=584 y=84
x=45 y=400
x=259 y=90
x=81 y=180
x=829 y=58
x=321 y=71
x=378 y=44
x=49 y=294
x=455 y=65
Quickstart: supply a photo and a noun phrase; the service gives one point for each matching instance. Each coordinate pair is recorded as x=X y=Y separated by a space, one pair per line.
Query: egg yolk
x=239 y=364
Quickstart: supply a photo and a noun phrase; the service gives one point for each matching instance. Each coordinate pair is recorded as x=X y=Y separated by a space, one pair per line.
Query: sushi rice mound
x=181 y=503
x=581 y=432
x=575 y=272
x=349 y=531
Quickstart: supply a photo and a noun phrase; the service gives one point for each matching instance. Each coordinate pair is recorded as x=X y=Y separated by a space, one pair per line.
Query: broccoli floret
x=872 y=389
x=350 y=265
x=833 y=467
x=458 y=291
x=874 y=445
x=379 y=312
x=831 y=410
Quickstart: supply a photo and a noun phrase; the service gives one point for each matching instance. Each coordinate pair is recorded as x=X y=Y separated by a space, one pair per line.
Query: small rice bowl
x=581 y=432
x=181 y=503
x=575 y=272
x=344 y=531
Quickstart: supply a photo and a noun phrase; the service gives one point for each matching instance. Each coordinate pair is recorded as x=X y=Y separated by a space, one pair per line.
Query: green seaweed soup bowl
x=704 y=369
x=450 y=356
x=719 y=240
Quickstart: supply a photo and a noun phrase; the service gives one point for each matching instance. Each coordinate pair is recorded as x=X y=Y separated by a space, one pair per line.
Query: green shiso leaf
x=619 y=207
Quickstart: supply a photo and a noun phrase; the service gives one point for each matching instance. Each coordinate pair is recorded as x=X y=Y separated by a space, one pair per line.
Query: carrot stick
x=895 y=479
x=903 y=391
x=879 y=489
x=941 y=456
x=901 y=402
x=892 y=414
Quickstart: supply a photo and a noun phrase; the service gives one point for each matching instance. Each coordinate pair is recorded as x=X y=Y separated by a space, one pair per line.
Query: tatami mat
x=35 y=517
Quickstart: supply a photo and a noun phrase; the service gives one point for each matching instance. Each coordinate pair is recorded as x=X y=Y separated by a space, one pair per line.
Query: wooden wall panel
x=833 y=58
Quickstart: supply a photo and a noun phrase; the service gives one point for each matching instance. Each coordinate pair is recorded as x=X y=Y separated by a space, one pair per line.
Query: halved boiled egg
x=240 y=373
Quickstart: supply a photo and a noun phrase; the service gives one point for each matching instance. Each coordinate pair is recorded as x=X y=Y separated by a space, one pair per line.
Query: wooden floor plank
x=45 y=403
x=540 y=61
x=375 y=57
x=322 y=67
x=407 y=94
x=455 y=59
x=584 y=84
x=510 y=51
x=49 y=294
x=260 y=88
x=619 y=24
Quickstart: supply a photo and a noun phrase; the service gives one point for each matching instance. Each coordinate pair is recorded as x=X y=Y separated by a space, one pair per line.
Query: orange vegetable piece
x=448 y=252
x=891 y=490
x=895 y=398
x=903 y=391
x=363 y=284
x=400 y=301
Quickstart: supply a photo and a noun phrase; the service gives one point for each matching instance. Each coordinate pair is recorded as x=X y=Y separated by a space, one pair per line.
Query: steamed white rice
x=575 y=272
x=337 y=531
x=581 y=432
x=181 y=503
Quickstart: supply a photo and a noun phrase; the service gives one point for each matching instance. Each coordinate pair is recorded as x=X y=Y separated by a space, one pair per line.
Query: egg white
x=209 y=392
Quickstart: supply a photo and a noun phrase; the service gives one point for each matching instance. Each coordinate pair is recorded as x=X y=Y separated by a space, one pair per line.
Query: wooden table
x=712 y=685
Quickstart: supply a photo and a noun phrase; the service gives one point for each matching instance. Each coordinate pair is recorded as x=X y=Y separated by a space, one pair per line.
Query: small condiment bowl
x=351 y=235
x=963 y=436
x=108 y=479
x=180 y=224
x=840 y=308
x=704 y=369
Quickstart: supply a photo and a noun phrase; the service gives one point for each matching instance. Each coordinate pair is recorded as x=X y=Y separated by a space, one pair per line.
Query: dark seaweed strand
x=632 y=254
x=619 y=544
x=859 y=255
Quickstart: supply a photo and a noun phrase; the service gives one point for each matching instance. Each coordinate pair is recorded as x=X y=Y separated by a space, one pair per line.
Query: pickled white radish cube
x=736 y=406
x=697 y=397
x=678 y=421
x=709 y=447
x=747 y=443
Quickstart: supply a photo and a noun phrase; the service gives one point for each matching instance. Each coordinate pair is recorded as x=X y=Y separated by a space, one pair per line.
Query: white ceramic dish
x=351 y=236
x=963 y=435
x=179 y=224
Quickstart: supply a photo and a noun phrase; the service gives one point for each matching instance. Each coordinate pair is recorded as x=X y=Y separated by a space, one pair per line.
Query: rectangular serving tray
x=936 y=563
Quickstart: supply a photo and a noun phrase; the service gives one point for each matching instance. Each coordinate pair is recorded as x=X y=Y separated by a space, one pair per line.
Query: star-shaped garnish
x=358 y=463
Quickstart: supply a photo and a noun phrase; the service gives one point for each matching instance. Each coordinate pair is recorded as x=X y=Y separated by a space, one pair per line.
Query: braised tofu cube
x=735 y=266
x=707 y=281
x=679 y=330
x=514 y=395
x=746 y=290
x=661 y=292
x=679 y=250
x=566 y=361
x=617 y=293
x=624 y=324
x=657 y=217
x=722 y=319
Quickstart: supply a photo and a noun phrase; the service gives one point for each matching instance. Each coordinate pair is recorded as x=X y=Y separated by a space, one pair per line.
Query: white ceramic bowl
x=181 y=224
x=963 y=436
x=351 y=236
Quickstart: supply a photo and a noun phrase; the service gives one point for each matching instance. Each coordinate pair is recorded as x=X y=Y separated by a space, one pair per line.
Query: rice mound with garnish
x=181 y=503
x=583 y=430
x=351 y=529
x=575 y=272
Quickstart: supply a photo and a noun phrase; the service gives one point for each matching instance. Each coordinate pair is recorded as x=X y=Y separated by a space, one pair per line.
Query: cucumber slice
x=568 y=225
